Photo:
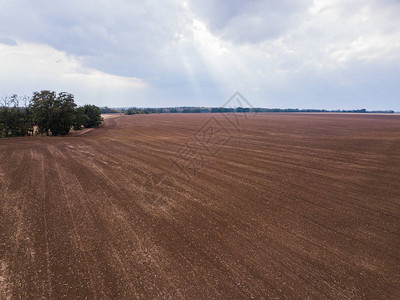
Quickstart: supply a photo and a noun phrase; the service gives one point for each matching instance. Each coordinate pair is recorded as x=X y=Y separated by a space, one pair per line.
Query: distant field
x=109 y=116
x=204 y=206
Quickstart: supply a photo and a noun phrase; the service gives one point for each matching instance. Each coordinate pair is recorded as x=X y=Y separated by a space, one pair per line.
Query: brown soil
x=204 y=206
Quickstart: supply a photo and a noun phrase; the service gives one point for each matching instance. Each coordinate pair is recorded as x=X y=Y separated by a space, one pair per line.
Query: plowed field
x=204 y=206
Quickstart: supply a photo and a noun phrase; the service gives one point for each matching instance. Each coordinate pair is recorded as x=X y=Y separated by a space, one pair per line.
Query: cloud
x=7 y=41
x=99 y=30
x=34 y=67
x=251 y=21
x=276 y=53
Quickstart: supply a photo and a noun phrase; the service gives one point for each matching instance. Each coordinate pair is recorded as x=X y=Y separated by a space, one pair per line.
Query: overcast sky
x=299 y=54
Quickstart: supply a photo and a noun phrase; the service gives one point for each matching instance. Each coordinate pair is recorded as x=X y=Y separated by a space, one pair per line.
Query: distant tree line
x=318 y=110
x=135 y=111
x=45 y=113
x=186 y=109
x=107 y=110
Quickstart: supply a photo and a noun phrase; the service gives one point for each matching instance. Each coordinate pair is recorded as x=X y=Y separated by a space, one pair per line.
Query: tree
x=43 y=107
x=63 y=117
x=133 y=111
x=94 y=115
x=53 y=113
x=4 y=116
x=81 y=120
x=28 y=116
x=14 y=120
x=107 y=110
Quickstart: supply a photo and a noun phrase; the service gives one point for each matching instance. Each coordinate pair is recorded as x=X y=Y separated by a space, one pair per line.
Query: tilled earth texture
x=200 y=206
